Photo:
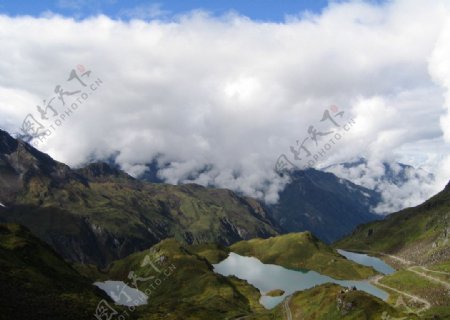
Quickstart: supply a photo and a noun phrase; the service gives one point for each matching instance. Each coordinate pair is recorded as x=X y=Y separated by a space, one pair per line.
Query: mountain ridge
x=98 y=214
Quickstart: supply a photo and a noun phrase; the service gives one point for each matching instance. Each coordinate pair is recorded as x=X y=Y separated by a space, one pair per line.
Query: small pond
x=369 y=261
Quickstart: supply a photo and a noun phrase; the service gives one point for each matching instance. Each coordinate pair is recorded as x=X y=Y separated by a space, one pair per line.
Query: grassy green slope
x=35 y=283
x=327 y=302
x=189 y=213
x=212 y=252
x=419 y=234
x=302 y=251
x=436 y=294
x=184 y=285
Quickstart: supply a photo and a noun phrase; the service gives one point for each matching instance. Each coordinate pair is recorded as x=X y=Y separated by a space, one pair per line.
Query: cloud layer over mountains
x=219 y=99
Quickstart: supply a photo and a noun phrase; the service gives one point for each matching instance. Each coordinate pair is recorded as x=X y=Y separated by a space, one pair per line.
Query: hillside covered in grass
x=181 y=284
x=333 y=302
x=37 y=284
x=189 y=289
x=420 y=234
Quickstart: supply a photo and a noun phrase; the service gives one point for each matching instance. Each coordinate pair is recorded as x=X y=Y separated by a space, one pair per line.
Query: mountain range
x=65 y=229
x=98 y=214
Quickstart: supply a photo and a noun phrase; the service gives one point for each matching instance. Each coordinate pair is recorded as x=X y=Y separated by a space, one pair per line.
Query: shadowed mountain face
x=22 y=165
x=317 y=201
x=37 y=284
x=98 y=213
x=420 y=234
x=324 y=204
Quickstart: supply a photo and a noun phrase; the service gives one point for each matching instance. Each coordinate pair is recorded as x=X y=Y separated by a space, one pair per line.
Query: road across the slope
x=287 y=309
x=376 y=280
x=444 y=283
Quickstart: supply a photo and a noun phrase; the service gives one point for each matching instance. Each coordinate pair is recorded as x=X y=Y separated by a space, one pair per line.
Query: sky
x=263 y=10
x=221 y=92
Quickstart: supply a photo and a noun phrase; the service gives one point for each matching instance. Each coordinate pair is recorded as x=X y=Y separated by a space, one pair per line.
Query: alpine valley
x=94 y=242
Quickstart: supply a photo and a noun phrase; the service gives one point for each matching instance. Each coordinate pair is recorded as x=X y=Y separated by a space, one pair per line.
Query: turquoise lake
x=366 y=260
x=267 y=277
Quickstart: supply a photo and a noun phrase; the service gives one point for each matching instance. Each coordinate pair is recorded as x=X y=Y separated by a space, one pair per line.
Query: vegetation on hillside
x=330 y=301
x=37 y=284
x=98 y=214
x=419 y=234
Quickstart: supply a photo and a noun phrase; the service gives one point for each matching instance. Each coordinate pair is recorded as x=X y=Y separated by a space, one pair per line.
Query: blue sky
x=266 y=10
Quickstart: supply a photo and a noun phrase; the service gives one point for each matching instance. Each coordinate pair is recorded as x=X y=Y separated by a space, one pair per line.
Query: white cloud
x=398 y=186
x=440 y=70
x=231 y=94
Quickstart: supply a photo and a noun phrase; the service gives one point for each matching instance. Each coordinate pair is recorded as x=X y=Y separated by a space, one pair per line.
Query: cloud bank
x=218 y=99
x=400 y=186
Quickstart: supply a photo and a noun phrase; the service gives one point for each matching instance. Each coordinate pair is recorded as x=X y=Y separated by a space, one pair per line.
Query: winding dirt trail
x=427 y=304
x=412 y=268
x=376 y=281
x=435 y=271
x=287 y=309
x=444 y=283
x=399 y=259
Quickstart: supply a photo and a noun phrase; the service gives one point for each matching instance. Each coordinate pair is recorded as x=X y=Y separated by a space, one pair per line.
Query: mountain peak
x=23 y=165
x=7 y=143
x=101 y=169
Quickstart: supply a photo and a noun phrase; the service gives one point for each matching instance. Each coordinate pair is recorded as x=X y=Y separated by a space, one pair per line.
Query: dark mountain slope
x=98 y=213
x=37 y=284
x=324 y=204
